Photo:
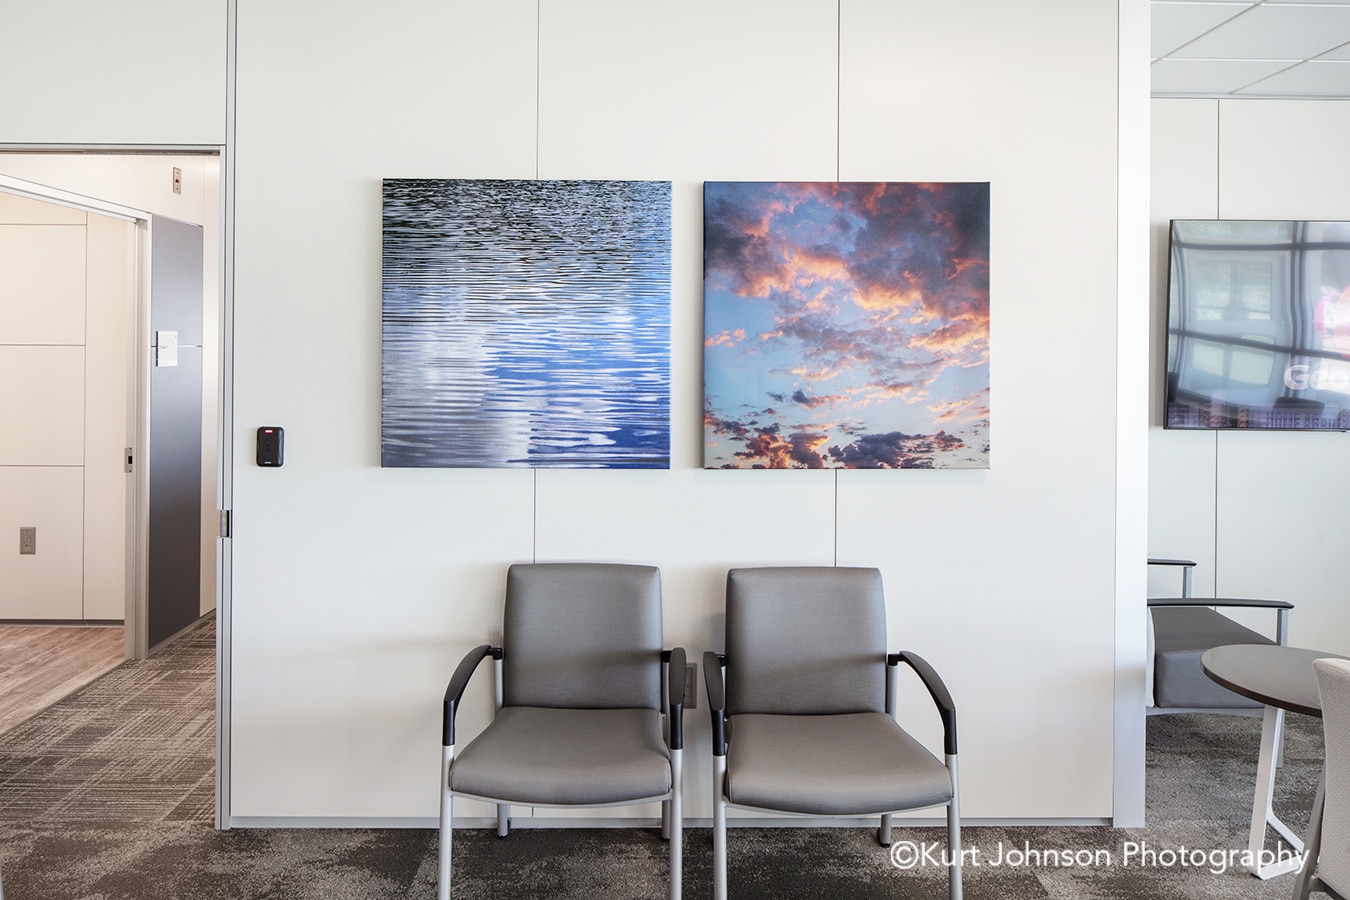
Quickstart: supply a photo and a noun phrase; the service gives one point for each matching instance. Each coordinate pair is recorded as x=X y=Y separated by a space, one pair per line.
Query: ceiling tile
x=1176 y=24
x=1196 y=77
x=1341 y=52
x=1309 y=79
x=1275 y=31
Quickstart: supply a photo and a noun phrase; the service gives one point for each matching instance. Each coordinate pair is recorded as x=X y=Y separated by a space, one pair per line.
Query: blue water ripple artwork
x=526 y=324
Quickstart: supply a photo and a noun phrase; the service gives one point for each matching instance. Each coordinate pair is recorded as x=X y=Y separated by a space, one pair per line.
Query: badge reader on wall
x=270 y=444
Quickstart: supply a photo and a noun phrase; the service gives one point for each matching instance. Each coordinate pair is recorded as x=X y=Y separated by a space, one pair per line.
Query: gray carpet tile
x=134 y=745
x=110 y=797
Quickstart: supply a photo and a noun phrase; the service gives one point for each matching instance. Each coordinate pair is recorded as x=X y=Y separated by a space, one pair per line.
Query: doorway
x=176 y=194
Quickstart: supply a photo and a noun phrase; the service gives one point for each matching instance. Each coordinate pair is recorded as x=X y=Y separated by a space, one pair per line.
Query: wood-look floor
x=40 y=664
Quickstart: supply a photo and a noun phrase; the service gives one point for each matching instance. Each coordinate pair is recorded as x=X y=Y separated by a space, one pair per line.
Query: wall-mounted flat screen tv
x=1258 y=325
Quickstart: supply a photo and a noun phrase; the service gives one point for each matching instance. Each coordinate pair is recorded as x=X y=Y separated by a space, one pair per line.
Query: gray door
x=175 y=452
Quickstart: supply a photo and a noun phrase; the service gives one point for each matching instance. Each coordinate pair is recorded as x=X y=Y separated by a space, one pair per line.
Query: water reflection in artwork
x=526 y=324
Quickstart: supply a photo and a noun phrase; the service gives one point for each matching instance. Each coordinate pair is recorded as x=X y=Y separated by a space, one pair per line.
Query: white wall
x=1261 y=513
x=356 y=589
x=133 y=72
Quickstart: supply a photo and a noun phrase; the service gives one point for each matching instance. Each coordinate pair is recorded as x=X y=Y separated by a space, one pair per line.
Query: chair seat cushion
x=1181 y=636
x=540 y=755
x=831 y=765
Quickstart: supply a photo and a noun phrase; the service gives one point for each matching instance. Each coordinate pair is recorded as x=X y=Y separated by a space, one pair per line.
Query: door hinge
x=225 y=523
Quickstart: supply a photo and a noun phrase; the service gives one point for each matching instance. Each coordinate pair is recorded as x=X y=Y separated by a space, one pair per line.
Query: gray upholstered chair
x=1181 y=629
x=1326 y=861
x=803 y=708
x=584 y=692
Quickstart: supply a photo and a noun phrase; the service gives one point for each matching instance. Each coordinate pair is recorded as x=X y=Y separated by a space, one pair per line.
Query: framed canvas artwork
x=526 y=323
x=846 y=325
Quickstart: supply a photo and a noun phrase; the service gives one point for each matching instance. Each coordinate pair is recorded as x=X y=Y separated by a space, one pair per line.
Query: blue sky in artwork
x=846 y=325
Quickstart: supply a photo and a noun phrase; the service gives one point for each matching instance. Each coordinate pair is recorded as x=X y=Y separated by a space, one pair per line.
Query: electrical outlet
x=691 y=686
x=27 y=540
x=177 y=180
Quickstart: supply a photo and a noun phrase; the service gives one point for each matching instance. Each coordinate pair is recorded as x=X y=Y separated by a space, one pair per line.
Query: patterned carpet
x=138 y=744
x=108 y=796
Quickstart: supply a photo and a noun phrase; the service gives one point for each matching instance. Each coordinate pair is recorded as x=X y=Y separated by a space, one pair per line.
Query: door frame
x=135 y=624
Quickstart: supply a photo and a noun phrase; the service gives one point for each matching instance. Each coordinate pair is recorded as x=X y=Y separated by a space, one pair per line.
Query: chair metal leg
x=503 y=819
x=446 y=823
x=954 y=833
x=676 y=817
x=884 y=832
x=719 y=829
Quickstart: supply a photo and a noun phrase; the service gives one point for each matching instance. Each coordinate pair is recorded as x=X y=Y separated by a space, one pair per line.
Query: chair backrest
x=582 y=635
x=1333 y=862
x=805 y=640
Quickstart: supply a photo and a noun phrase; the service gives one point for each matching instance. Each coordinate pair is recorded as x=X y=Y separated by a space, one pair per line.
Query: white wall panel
x=108 y=375
x=42 y=284
x=1182 y=509
x=15 y=210
x=356 y=589
x=1185 y=185
x=692 y=91
x=1282 y=522
x=42 y=406
x=973 y=557
x=1277 y=159
x=44 y=585
x=142 y=71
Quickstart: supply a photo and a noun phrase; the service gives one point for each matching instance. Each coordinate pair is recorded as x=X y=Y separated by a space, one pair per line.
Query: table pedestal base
x=1263 y=815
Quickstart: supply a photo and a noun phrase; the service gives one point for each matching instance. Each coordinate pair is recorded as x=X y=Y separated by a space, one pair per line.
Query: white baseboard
x=522 y=822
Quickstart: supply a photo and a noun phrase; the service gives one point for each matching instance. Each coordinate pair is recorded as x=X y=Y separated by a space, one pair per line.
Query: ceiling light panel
x=1275 y=31
x=1209 y=77
x=1309 y=79
x=1177 y=24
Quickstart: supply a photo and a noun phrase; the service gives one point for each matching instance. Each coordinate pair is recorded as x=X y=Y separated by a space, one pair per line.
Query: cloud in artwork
x=974 y=408
x=802 y=398
x=895 y=450
x=727 y=338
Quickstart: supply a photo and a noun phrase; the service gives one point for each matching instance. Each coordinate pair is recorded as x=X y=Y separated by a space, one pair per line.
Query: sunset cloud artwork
x=846 y=325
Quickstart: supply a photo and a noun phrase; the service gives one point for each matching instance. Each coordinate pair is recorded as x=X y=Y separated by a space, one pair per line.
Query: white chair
x=1326 y=861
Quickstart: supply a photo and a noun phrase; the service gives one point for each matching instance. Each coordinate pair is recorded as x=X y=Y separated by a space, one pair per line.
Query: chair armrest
x=1249 y=603
x=675 y=661
x=455 y=690
x=942 y=698
x=1190 y=563
x=717 y=700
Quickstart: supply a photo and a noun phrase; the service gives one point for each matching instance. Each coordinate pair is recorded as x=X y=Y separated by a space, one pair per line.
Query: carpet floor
x=108 y=797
